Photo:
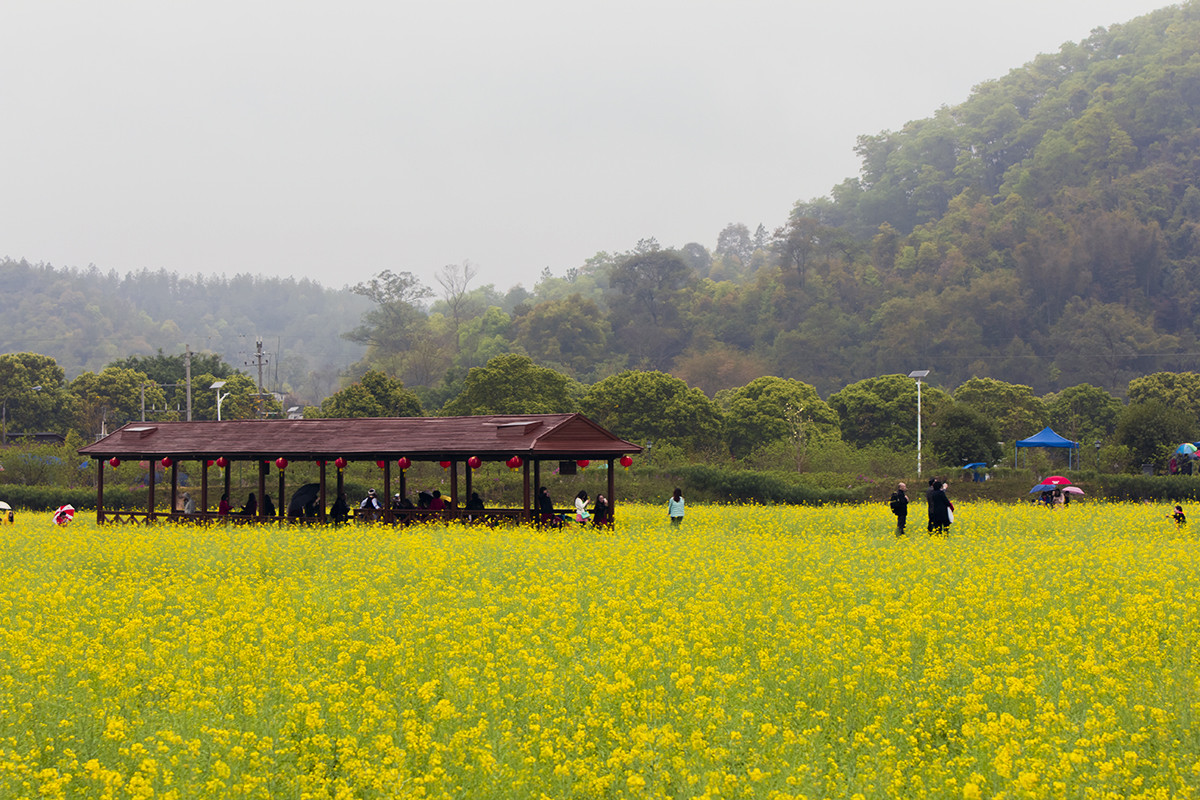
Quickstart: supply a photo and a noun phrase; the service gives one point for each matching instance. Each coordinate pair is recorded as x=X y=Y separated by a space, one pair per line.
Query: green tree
x=771 y=409
x=1152 y=431
x=33 y=395
x=112 y=397
x=513 y=384
x=962 y=434
x=654 y=407
x=1014 y=409
x=376 y=395
x=883 y=410
x=394 y=326
x=649 y=295
x=1180 y=390
x=1083 y=412
x=571 y=333
x=163 y=369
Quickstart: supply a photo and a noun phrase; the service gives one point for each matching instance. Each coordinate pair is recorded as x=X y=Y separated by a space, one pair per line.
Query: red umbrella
x=64 y=514
x=1057 y=480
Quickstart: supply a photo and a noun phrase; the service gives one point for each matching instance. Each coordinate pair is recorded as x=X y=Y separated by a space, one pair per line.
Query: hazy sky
x=334 y=140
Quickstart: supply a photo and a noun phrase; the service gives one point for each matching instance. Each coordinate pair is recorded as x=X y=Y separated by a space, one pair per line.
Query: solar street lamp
x=218 y=385
x=918 y=374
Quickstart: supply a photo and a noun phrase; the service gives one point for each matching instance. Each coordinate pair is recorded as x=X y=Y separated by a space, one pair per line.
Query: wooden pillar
x=468 y=477
x=387 y=490
x=228 y=484
x=281 y=509
x=99 y=490
x=404 y=483
x=340 y=478
x=525 y=494
x=612 y=486
x=454 y=483
x=153 y=473
x=203 y=487
x=321 y=491
x=174 y=485
x=262 y=488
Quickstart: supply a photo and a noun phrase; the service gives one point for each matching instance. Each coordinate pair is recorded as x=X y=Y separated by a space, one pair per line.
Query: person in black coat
x=899 y=506
x=939 y=508
x=340 y=511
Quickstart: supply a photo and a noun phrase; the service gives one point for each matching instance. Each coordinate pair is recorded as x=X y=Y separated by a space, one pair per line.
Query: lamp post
x=4 y=415
x=918 y=374
x=218 y=385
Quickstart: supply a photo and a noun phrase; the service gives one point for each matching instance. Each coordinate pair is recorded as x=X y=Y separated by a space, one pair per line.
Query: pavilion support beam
x=525 y=489
x=174 y=486
x=281 y=509
x=468 y=477
x=261 y=511
x=321 y=491
x=99 y=490
x=612 y=488
x=387 y=490
x=203 y=486
x=454 y=484
x=150 y=502
x=228 y=484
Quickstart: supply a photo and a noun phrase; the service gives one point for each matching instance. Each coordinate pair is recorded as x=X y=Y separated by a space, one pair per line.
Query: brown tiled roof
x=492 y=437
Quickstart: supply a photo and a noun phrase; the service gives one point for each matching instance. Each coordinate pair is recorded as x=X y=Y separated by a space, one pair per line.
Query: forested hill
x=86 y=319
x=1046 y=231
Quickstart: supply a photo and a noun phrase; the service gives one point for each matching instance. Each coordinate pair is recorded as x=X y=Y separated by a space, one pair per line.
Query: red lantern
x=403 y=463
x=626 y=462
x=514 y=463
x=473 y=462
x=282 y=463
x=208 y=463
x=583 y=462
x=222 y=462
x=379 y=464
x=445 y=464
x=114 y=461
x=340 y=463
x=166 y=462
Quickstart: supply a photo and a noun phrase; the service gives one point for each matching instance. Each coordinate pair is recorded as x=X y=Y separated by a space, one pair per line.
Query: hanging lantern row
x=474 y=462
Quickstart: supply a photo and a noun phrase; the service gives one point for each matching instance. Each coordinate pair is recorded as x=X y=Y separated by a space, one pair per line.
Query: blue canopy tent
x=1048 y=438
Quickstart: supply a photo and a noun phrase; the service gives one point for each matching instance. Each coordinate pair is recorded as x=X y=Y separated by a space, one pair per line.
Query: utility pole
x=259 y=360
x=187 y=371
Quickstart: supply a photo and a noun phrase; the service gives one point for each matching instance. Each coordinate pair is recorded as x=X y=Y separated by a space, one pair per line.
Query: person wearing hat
x=369 y=508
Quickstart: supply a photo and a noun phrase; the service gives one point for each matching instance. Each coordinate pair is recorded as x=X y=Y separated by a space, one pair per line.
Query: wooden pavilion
x=524 y=441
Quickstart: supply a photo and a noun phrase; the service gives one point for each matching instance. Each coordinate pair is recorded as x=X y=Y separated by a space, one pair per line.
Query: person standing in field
x=675 y=507
x=939 y=508
x=899 y=506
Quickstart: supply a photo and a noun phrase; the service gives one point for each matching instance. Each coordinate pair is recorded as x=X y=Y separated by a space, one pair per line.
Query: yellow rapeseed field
x=754 y=652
